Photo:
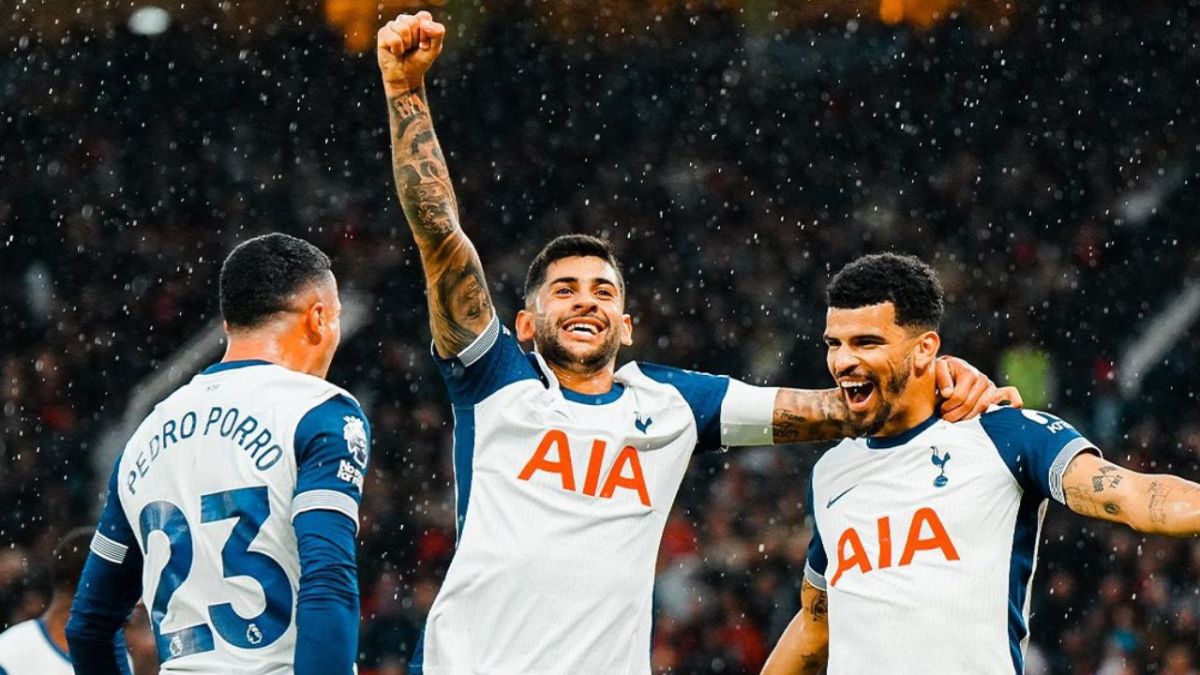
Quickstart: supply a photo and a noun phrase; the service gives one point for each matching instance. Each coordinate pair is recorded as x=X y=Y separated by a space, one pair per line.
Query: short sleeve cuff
x=748 y=415
x=482 y=344
x=108 y=549
x=1059 y=467
x=326 y=500
x=814 y=577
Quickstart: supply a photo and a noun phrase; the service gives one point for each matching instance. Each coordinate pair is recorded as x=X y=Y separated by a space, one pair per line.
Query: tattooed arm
x=1151 y=503
x=460 y=307
x=803 y=415
x=804 y=646
x=821 y=415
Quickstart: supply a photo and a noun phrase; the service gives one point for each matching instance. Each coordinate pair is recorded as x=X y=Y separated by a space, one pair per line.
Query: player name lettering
x=244 y=430
x=553 y=455
x=925 y=533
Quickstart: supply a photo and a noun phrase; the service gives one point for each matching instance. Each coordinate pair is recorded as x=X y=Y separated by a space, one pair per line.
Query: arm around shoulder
x=803 y=415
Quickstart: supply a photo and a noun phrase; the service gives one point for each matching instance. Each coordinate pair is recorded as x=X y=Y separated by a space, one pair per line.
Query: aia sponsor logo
x=926 y=537
x=553 y=456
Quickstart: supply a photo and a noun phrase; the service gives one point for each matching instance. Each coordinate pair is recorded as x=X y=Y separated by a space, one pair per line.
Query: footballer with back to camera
x=233 y=509
x=565 y=467
x=925 y=530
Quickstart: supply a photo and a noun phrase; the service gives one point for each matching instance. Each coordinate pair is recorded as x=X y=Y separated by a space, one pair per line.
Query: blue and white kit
x=562 y=498
x=232 y=514
x=926 y=542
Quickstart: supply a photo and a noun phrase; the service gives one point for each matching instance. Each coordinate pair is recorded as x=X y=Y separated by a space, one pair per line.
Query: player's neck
x=55 y=619
x=588 y=382
x=272 y=350
x=916 y=404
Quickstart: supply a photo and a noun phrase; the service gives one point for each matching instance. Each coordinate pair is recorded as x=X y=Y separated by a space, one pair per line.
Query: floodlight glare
x=149 y=20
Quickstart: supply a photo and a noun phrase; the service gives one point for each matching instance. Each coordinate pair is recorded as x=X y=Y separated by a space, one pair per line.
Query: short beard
x=895 y=387
x=553 y=351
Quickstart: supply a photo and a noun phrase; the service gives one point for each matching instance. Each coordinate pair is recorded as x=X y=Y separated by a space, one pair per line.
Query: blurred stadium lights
x=357 y=20
x=149 y=20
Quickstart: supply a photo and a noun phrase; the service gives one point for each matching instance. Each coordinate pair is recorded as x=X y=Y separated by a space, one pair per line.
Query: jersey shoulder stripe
x=704 y=394
x=1036 y=446
x=490 y=363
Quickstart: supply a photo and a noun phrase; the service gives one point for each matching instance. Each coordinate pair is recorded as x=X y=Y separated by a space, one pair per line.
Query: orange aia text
x=553 y=455
x=926 y=535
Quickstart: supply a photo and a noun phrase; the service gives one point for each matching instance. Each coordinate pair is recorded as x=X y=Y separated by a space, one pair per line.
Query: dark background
x=1042 y=157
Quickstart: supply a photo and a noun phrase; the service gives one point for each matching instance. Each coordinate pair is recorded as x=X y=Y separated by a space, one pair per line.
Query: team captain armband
x=1036 y=446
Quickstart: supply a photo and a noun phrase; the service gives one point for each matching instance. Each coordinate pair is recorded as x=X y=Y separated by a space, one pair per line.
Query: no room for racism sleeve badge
x=355 y=433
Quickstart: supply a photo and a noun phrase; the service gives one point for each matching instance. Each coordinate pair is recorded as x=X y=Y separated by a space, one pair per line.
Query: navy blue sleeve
x=818 y=561
x=121 y=654
x=1036 y=447
x=494 y=361
x=333 y=445
x=704 y=394
x=327 y=613
x=108 y=589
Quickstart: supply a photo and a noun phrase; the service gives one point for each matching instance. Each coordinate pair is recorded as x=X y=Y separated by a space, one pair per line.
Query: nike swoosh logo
x=834 y=500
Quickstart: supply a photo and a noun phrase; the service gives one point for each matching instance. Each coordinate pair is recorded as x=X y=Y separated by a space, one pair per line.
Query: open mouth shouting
x=858 y=392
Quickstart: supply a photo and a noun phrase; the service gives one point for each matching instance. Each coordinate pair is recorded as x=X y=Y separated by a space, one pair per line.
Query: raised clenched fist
x=406 y=47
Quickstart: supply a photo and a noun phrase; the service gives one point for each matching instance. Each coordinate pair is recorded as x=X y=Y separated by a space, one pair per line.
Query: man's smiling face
x=870 y=357
x=579 y=314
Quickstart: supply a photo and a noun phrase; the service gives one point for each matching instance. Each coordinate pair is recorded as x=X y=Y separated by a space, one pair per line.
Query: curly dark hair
x=570 y=246
x=261 y=275
x=903 y=280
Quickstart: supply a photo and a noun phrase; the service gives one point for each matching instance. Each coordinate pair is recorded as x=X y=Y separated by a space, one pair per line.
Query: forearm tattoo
x=1164 y=504
x=459 y=302
x=802 y=416
x=1159 y=494
x=1106 y=478
x=422 y=180
x=819 y=608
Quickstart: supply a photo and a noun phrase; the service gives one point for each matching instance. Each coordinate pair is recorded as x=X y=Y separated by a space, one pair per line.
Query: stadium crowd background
x=1046 y=166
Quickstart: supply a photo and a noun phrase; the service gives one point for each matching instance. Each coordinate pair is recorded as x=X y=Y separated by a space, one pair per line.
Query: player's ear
x=316 y=320
x=526 y=325
x=626 y=330
x=926 y=350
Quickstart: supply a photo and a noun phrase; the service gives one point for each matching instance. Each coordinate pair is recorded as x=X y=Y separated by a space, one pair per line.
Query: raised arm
x=803 y=648
x=1150 y=503
x=460 y=307
x=803 y=415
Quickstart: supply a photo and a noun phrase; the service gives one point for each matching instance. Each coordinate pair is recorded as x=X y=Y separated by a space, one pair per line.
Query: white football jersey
x=926 y=542
x=562 y=498
x=206 y=491
x=26 y=649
